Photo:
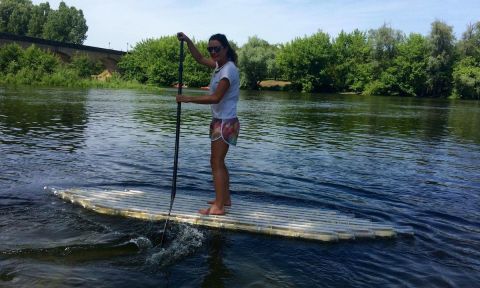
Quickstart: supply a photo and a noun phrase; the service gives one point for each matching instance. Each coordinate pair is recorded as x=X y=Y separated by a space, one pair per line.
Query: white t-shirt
x=227 y=108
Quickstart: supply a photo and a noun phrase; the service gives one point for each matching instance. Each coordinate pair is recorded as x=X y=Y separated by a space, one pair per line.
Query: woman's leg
x=220 y=176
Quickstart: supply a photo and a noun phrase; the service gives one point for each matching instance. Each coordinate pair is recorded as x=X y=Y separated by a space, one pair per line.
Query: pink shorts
x=227 y=129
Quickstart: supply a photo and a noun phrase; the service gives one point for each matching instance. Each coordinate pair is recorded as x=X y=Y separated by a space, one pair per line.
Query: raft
x=244 y=215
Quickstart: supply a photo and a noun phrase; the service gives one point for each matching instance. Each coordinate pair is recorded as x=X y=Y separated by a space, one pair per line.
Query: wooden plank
x=290 y=221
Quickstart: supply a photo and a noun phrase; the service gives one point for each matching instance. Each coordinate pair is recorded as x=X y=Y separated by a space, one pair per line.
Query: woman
x=223 y=97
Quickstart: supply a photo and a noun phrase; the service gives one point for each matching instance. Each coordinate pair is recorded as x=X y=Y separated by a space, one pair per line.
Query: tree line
x=381 y=61
x=21 y=17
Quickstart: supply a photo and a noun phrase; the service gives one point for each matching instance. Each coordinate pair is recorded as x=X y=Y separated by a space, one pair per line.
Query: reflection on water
x=401 y=161
x=218 y=271
x=43 y=119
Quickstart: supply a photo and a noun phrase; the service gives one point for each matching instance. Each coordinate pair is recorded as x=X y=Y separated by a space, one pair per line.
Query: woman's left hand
x=181 y=98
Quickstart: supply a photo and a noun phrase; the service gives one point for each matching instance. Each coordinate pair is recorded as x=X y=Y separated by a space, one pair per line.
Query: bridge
x=109 y=58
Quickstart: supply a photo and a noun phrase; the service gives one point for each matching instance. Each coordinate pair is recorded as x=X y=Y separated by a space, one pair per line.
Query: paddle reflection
x=218 y=271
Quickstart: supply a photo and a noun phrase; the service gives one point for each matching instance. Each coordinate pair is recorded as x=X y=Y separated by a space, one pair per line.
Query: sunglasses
x=215 y=49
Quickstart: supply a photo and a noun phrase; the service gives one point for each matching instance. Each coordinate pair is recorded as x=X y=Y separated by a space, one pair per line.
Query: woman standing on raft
x=223 y=97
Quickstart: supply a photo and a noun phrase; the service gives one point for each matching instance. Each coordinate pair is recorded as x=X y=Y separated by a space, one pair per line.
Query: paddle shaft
x=177 y=141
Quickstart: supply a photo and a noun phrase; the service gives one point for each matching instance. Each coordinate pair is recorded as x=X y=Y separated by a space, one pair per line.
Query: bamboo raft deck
x=298 y=222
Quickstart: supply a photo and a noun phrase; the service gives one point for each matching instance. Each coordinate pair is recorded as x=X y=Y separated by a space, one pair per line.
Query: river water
x=398 y=161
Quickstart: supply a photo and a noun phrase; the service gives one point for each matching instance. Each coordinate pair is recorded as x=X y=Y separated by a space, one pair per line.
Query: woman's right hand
x=181 y=36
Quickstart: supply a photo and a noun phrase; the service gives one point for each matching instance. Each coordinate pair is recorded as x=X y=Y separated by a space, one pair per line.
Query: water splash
x=186 y=241
x=143 y=243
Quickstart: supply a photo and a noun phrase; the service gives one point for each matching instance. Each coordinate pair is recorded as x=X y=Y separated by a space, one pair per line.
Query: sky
x=120 y=24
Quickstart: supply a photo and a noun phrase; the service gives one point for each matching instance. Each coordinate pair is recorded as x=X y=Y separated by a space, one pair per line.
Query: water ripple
x=405 y=162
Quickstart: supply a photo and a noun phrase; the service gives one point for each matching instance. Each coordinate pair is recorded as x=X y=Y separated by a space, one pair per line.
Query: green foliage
x=411 y=65
x=152 y=62
x=441 y=60
x=39 y=16
x=351 y=53
x=256 y=59
x=35 y=59
x=382 y=61
x=14 y=16
x=305 y=61
x=466 y=72
x=469 y=46
x=384 y=43
x=21 y=17
x=10 y=58
x=67 y=24
x=466 y=79
x=194 y=74
x=84 y=66
x=31 y=63
x=375 y=87
x=33 y=66
x=155 y=62
x=62 y=77
x=406 y=75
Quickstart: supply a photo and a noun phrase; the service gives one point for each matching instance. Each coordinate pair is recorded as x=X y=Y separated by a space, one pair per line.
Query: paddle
x=177 y=140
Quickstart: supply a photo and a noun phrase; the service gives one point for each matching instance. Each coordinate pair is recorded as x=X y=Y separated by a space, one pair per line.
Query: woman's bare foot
x=213 y=210
x=228 y=203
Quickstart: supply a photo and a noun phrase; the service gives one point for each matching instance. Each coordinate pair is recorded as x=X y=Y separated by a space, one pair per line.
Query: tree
x=441 y=60
x=466 y=72
x=195 y=74
x=384 y=43
x=304 y=61
x=84 y=66
x=410 y=66
x=406 y=75
x=254 y=59
x=21 y=17
x=18 y=23
x=466 y=79
x=155 y=61
x=351 y=61
x=66 y=24
x=152 y=61
x=14 y=16
x=39 y=16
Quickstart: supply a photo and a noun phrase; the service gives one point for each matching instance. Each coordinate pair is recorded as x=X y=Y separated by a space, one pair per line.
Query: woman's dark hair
x=231 y=54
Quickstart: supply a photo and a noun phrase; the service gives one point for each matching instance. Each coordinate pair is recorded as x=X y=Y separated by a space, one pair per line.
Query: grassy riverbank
x=67 y=79
x=87 y=83
x=35 y=67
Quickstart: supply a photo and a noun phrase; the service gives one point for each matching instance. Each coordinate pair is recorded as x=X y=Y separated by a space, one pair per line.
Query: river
x=399 y=161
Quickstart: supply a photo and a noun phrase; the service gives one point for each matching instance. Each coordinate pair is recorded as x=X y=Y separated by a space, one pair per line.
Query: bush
x=62 y=77
x=466 y=79
x=10 y=57
x=305 y=62
x=375 y=87
x=152 y=61
x=38 y=61
x=85 y=67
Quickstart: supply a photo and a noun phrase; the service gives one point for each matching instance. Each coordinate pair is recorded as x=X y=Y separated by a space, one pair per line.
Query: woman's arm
x=214 y=98
x=195 y=53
